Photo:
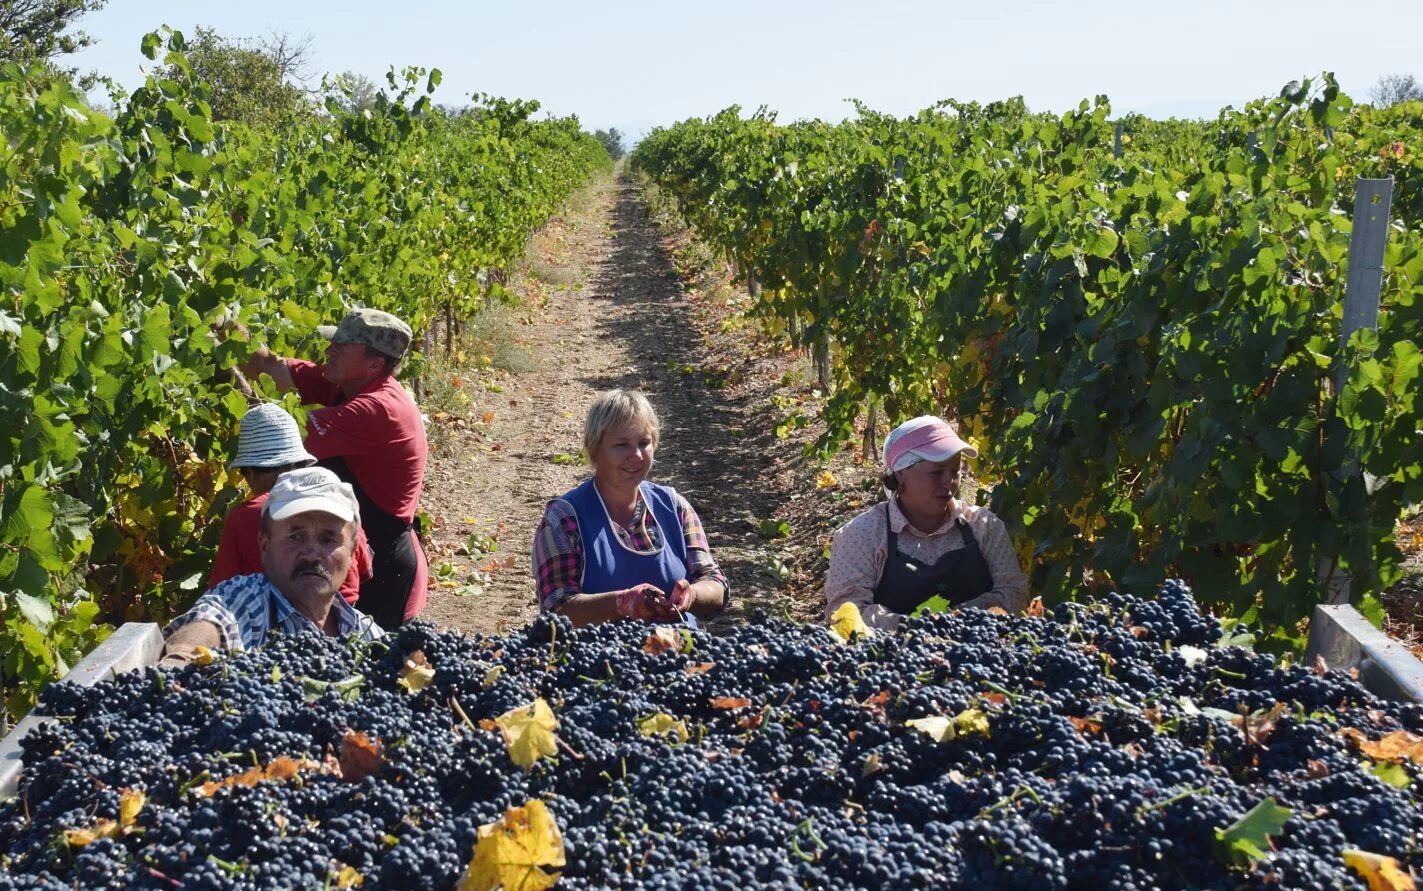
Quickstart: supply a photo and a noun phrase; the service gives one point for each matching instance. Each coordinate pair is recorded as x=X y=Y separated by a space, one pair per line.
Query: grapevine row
x=144 y=252
x=1143 y=347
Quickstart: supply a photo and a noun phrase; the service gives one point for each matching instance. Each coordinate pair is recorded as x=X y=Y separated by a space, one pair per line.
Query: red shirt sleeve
x=239 y=552
x=311 y=385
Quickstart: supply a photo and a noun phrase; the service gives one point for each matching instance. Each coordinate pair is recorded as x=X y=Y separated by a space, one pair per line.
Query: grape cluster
x=1105 y=746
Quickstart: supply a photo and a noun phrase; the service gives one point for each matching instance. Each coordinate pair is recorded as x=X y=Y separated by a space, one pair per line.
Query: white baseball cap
x=312 y=489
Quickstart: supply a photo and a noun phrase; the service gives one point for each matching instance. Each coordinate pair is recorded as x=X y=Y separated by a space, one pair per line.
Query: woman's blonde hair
x=612 y=409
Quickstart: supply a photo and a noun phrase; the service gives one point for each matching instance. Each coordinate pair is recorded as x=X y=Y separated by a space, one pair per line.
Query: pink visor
x=925 y=438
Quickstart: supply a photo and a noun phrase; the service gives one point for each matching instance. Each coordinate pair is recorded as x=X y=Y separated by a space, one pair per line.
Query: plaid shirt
x=247 y=608
x=558 y=549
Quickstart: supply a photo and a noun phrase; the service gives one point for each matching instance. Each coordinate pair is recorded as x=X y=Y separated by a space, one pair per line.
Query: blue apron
x=610 y=565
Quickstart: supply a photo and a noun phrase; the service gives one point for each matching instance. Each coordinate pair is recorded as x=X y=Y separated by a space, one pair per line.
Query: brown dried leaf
x=1320 y=666
x=1257 y=728
x=1316 y=769
x=360 y=756
x=1084 y=726
x=995 y=699
x=729 y=702
x=699 y=667
x=663 y=640
x=1138 y=631
x=1397 y=746
x=1036 y=608
x=282 y=767
x=998 y=610
x=876 y=703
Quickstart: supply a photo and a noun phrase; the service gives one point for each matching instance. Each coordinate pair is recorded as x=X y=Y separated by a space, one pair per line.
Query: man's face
x=307 y=555
x=349 y=363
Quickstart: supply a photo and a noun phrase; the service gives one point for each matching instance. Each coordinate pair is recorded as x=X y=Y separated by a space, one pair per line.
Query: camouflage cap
x=378 y=330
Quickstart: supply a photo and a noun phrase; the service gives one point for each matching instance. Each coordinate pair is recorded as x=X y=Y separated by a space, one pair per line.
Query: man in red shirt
x=371 y=434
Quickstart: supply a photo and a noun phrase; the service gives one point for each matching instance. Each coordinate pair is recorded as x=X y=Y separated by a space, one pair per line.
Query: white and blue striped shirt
x=246 y=608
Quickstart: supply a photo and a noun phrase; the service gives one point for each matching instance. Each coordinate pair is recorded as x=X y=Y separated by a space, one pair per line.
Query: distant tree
x=357 y=90
x=39 y=30
x=292 y=55
x=612 y=140
x=1392 y=89
x=246 y=80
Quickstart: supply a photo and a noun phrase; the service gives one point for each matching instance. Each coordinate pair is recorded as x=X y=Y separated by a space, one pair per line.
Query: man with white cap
x=923 y=542
x=371 y=434
x=268 y=445
x=308 y=532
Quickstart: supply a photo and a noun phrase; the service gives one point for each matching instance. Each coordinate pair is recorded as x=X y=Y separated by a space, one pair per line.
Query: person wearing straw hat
x=371 y=434
x=308 y=534
x=268 y=445
x=923 y=542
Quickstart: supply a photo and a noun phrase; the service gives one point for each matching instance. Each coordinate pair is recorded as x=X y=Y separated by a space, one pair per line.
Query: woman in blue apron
x=923 y=542
x=619 y=546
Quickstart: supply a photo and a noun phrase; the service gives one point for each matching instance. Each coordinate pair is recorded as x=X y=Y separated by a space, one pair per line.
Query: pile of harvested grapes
x=1112 y=745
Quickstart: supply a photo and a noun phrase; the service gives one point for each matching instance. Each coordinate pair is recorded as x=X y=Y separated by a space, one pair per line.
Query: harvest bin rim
x=1339 y=634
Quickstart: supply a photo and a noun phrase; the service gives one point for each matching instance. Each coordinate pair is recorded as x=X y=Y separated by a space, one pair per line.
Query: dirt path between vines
x=620 y=316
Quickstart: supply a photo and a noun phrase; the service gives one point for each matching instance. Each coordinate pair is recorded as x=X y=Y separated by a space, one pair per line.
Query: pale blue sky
x=632 y=64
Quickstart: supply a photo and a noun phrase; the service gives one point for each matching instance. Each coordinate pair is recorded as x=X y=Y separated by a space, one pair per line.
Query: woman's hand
x=640 y=602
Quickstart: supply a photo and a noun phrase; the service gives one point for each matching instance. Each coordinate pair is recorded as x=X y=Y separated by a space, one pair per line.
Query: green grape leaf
x=1248 y=839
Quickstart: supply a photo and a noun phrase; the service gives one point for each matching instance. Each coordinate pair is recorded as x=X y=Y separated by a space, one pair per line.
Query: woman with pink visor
x=923 y=542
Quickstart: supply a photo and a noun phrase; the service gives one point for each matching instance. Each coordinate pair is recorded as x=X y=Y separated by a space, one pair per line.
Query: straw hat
x=269 y=437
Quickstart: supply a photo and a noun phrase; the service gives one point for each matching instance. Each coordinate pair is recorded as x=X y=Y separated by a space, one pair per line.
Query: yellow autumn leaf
x=349 y=877
x=971 y=722
x=522 y=851
x=663 y=724
x=203 y=656
x=131 y=801
x=1382 y=873
x=942 y=728
x=78 y=838
x=846 y=621
x=825 y=480
x=418 y=673
x=493 y=675
x=528 y=731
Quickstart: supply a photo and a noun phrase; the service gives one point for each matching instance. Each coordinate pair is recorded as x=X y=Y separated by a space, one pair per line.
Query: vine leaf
x=131 y=801
x=418 y=673
x=1397 y=746
x=1382 y=873
x=846 y=623
x=663 y=724
x=528 y=732
x=662 y=640
x=521 y=851
x=942 y=728
x=1248 y=839
x=360 y=756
